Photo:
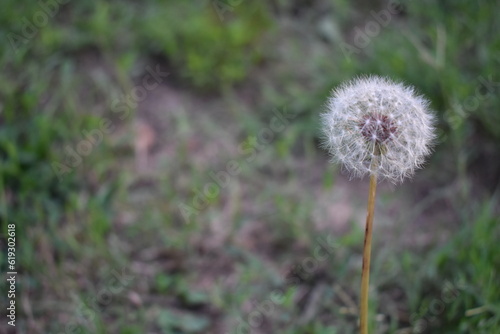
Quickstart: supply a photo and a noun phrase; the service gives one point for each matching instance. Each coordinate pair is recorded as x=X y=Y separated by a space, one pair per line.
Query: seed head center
x=377 y=128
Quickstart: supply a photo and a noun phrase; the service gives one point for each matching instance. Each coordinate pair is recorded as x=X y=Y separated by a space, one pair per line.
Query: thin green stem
x=365 y=275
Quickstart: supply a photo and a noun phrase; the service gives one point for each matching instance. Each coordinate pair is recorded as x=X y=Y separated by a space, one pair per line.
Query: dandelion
x=384 y=129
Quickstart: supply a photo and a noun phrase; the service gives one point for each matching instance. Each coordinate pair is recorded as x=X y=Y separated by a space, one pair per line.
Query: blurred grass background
x=103 y=245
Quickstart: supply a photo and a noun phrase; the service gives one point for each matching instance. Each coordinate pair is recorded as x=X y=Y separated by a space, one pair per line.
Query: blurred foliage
x=214 y=47
x=468 y=300
x=284 y=53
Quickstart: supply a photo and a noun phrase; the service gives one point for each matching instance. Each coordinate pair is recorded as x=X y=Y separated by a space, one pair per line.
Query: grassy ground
x=164 y=175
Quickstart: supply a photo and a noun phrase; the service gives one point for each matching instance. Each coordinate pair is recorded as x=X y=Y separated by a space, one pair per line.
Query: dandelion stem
x=365 y=275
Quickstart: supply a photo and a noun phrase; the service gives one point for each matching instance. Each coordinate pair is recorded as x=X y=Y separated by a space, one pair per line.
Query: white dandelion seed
x=375 y=126
x=374 y=118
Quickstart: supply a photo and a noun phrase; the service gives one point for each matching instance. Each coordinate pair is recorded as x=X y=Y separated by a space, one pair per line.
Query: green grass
x=104 y=248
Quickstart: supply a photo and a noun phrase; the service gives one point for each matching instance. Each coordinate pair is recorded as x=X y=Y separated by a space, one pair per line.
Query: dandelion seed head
x=375 y=118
